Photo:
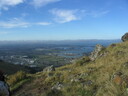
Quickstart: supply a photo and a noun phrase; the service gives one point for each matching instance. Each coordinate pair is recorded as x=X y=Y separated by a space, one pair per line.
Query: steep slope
x=107 y=75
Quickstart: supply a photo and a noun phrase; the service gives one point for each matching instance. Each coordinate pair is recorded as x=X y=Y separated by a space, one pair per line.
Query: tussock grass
x=100 y=72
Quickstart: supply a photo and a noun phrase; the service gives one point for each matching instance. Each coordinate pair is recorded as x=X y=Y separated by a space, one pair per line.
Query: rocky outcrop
x=49 y=69
x=125 y=37
x=96 y=52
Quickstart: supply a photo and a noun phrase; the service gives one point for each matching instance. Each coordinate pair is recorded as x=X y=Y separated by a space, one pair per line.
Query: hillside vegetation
x=11 y=68
x=107 y=75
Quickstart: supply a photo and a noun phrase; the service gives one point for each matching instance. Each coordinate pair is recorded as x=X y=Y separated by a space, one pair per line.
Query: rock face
x=4 y=89
x=96 y=52
x=125 y=37
x=49 y=69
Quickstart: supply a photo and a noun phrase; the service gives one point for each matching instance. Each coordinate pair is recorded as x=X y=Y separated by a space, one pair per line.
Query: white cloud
x=40 y=3
x=13 y=24
x=16 y=22
x=4 y=4
x=43 y=23
x=98 y=13
x=63 y=16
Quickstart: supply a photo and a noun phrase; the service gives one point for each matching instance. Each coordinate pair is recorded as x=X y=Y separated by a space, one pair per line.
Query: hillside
x=104 y=75
x=8 y=68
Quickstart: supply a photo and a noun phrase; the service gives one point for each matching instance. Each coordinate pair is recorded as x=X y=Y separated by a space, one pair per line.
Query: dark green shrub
x=84 y=60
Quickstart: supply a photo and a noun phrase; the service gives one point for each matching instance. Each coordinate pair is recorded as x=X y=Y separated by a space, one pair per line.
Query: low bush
x=19 y=76
x=82 y=61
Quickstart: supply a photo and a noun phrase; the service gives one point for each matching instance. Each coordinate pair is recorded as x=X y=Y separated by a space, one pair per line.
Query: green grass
x=19 y=84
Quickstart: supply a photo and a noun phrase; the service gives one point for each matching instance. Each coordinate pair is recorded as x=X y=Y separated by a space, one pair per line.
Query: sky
x=63 y=19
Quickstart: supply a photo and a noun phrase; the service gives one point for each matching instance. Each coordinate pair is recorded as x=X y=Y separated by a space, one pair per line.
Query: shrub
x=85 y=59
x=54 y=93
x=13 y=79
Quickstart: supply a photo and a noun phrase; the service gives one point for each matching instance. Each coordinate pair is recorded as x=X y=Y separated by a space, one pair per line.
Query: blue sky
x=63 y=19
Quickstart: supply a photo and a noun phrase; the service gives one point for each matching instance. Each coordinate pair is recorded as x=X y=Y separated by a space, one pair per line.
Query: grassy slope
x=76 y=78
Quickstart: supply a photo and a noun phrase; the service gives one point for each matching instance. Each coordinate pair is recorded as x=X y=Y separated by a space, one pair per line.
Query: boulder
x=96 y=52
x=4 y=89
x=125 y=37
x=49 y=69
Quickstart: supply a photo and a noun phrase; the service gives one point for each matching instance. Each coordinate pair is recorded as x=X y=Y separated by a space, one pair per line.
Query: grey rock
x=96 y=52
x=4 y=89
x=88 y=83
x=49 y=69
x=57 y=86
x=75 y=80
x=125 y=37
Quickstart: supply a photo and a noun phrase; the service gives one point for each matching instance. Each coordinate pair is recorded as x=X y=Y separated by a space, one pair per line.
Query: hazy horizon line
x=62 y=40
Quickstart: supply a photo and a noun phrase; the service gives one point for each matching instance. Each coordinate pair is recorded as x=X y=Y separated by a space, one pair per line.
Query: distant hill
x=8 y=68
x=58 y=42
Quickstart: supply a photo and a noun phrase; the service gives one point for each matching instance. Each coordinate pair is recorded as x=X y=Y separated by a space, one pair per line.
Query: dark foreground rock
x=4 y=89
